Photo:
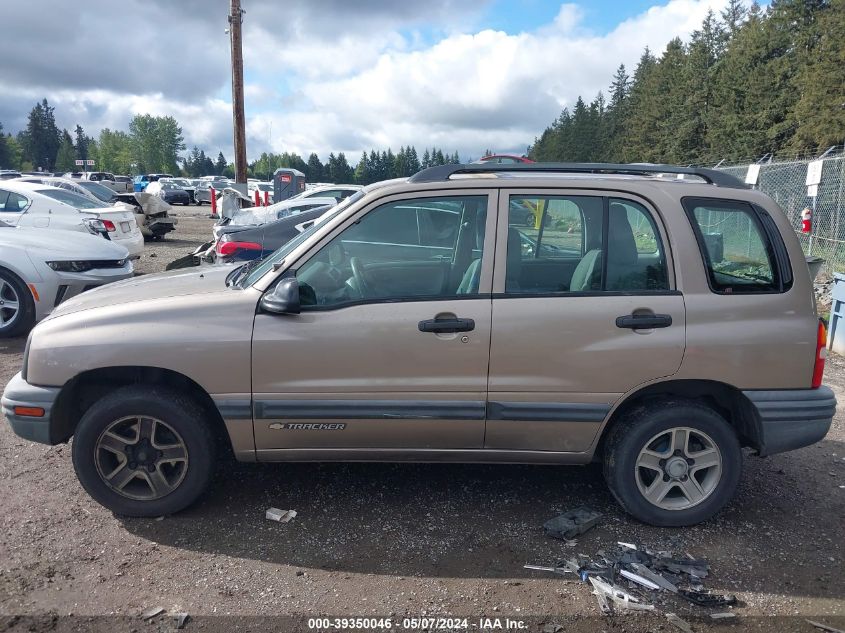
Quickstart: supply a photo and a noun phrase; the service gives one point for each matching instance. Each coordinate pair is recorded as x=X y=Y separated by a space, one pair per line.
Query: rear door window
x=736 y=250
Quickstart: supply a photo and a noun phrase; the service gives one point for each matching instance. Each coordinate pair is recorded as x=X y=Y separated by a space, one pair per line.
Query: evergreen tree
x=426 y=160
x=819 y=114
x=66 y=154
x=6 y=158
x=220 y=164
x=315 y=169
x=41 y=139
x=82 y=143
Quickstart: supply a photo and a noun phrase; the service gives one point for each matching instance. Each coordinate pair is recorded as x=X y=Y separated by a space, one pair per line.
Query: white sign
x=89 y=162
x=753 y=174
x=80 y=162
x=814 y=172
x=812 y=191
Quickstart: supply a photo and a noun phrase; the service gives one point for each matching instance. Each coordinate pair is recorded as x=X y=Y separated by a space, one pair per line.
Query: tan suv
x=657 y=319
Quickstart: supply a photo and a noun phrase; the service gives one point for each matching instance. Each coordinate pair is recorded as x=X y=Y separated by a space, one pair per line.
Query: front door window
x=420 y=249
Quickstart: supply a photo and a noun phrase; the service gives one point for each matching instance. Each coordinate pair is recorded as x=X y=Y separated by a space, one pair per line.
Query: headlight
x=70 y=267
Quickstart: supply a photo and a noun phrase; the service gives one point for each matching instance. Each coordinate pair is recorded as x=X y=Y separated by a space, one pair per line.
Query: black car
x=256 y=242
x=173 y=194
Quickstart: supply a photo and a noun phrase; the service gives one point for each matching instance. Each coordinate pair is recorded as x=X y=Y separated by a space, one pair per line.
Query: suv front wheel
x=672 y=463
x=144 y=451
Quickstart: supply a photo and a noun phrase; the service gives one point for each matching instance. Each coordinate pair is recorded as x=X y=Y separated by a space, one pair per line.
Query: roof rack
x=440 y=173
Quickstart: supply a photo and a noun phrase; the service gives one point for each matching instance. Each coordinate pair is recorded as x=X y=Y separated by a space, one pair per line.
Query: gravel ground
x=396 y=540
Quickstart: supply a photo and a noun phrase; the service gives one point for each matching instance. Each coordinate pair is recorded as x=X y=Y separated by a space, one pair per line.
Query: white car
x=339 y=192
x=262 y=188
x=42 y=206
x=254 y=216
x=40 y=268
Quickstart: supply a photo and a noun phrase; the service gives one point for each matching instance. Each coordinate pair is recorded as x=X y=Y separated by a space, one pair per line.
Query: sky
x=330 y=75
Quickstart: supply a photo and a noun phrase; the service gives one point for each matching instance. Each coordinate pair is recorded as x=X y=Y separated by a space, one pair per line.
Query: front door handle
x=644 y=321
x=447 y=326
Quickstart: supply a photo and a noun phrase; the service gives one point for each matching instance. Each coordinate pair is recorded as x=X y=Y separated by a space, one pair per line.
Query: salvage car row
x=61 y=236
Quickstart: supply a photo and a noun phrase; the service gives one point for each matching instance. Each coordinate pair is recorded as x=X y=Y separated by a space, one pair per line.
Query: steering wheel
x=358 y=276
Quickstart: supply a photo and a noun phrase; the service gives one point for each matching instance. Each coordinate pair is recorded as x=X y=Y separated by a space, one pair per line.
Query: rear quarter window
x=736 y=246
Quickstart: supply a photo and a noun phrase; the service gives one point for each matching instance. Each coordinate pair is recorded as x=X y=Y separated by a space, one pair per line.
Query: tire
x=174 y=418
x=13 y=291
x=643 y=434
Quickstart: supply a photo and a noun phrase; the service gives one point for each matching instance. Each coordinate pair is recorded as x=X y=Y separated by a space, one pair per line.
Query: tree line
x=371 y=167
x=152 y=144
x=751 y=82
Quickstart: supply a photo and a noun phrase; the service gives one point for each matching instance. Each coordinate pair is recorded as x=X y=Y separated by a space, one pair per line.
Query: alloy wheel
x=141 y=458
x=678 y=468
x=10 y=303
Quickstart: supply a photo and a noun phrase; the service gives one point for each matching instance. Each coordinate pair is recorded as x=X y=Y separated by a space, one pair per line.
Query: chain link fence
x=785 y=181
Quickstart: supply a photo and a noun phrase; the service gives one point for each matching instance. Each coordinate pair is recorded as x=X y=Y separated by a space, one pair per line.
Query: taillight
x=230 y=248
x=109 y=226
x=821 y=354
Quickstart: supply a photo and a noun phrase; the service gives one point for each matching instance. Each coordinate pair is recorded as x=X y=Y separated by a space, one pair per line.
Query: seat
x=623 y=268
x=472 y=275
x=513 y=269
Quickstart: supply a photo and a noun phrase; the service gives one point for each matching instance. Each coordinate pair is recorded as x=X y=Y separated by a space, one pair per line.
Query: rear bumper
x=19 y=393
x=792 y=419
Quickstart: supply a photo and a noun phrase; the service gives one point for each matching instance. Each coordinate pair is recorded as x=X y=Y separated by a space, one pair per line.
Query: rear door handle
x=447 y=326
x=644 y=321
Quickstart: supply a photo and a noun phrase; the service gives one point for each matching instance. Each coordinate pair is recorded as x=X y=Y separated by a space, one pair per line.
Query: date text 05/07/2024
x=416 y=624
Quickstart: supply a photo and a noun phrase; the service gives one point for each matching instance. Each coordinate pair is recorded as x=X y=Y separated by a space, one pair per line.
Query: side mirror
x=284 y=299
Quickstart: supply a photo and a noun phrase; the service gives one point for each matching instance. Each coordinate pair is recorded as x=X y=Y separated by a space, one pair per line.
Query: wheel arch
x=725 y=399
x=83 y=390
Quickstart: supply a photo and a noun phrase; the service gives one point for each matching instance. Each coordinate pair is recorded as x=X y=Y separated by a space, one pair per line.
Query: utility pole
x=235 y=20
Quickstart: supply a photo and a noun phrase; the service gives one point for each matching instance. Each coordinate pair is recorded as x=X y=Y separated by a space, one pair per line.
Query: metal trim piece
x=369 y=409
x=547 y=411
x=234 y=409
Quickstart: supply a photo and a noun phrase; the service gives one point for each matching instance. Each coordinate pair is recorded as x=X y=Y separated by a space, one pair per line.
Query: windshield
x=281 y=253
x=167 y=185
x=70 y=198
x=102 y=192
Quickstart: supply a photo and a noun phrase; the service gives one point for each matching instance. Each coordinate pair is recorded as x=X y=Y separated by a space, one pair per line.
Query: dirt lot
x=397 y=540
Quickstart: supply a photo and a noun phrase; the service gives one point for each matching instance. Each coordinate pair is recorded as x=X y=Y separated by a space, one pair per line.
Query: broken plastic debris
x=552 y=628
x=722 y=616
x=640 y=580
x=181 y=619
x=619 y=596
x=654 y=577
x=570 y=524
x=565 y=569
x=151 y=613
x=825 y=627
x=678 y=623
x=626 y=545
x=282 y=516
x=704 y=599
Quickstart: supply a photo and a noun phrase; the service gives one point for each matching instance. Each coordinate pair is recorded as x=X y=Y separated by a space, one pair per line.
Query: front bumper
x=19 y=393
x=791 y=419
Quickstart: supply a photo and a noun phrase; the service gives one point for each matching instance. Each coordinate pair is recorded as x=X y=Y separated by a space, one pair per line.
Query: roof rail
x=440 y=173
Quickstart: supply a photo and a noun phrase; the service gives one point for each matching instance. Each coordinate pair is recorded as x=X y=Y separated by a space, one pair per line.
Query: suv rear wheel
x=144 y=451
x=672 y=463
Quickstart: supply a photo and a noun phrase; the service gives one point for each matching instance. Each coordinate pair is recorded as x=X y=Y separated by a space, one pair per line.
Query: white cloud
x=473 y=91
x=358 y=79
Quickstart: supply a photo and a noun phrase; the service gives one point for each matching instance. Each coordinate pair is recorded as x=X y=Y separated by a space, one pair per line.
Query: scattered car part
x=570 y=524
x=565 y=569
x=181 y=619
x=678 y=623
x=618 y=596
x=825 y=627
x=640 y=580
x=706 y=599
x=282 y=516
x=726 y=615
x=152 y=612
x=654 y=577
